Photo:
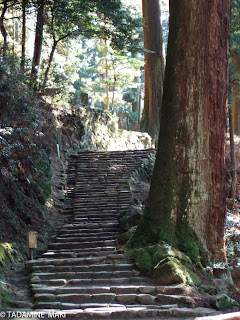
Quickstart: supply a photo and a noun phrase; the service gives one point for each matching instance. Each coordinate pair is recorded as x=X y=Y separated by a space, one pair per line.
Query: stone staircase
x=82 y=273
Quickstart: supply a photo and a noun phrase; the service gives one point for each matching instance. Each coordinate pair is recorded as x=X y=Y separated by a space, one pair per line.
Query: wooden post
x=59 y=143
x=32 y=243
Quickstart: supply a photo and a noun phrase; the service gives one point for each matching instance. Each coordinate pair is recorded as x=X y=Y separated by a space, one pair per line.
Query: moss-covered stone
x=165 y=264
x=6 y=254
x=143 y=259
x=123 y=238
x=224 y=302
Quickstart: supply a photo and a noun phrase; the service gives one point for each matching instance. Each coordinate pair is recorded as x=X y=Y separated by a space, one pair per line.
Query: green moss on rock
x=165 y=264
x=6 y=254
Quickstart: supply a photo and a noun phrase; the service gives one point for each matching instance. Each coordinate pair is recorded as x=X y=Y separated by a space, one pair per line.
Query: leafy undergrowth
x=30 y=172
x=27 y=137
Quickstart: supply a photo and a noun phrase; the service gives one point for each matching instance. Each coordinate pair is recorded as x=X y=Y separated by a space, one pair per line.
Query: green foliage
x=6 y=254
x=122 y=73
x=43 y=167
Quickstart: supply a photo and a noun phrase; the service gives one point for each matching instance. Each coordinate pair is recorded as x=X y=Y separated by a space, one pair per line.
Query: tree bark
x=3 y=29
x=38 y=43
x=49 y=64
x=233 y=172
x=186 y=203
x=236 y=98
x=154 y=67
x=22 y=64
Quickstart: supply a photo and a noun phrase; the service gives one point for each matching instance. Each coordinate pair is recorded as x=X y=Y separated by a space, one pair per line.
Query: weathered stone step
x=97 y=298
x=75 y=254
x=121 y=289
x=110 y=297
x=95 y=219
x=76 y=261
x=88 y=233
x=105 y=216
x=117 y=312
x=90 y=251
x=86 y=244
x=93 y=268
x=99 y=226
x=85 y=275
x=91 y=228
x=88 y=282
x=84 y=238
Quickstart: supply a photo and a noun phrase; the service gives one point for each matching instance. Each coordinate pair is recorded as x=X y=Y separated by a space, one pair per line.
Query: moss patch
x=190 y=243
x=165 y=264
x=6 y=254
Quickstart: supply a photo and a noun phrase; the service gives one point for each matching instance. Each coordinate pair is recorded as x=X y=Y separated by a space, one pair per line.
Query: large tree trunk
x=187 y=195
x=154 y=67
x=38 y=43
x=22 y=64
x=236 y=97
x=3 y=29
x=233 y=171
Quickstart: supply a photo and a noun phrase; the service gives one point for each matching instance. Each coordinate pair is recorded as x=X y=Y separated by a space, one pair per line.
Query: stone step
x=74 y=254
x=95 y=219
x=85 y=275
x=89 y=233
x=117 y=311
x=110 y=297
x=84 y=238
x=90 y=251
x=98 y=226
x=89 y=282
x=93 y=268
x=86 y=244
x=76 y=261
x=121 y=289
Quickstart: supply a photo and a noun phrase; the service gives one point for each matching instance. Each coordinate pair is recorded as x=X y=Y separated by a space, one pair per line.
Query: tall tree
x=235 y=65
x=186 y=203
x=22 y=64
x=154 y=67
x=6 y=4
x=38 y=42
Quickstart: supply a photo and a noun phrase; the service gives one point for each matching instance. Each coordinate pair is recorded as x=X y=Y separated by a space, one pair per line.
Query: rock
x=171 y=271
x=123 y=238
x=220 y=286
x=209 y=289
x=100 y=132
x=126 y=298
x=146 y=299
x=224 y=302
x=131 y=218
x=167 y=265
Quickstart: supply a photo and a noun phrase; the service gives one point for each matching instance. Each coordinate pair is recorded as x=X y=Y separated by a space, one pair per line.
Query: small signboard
x=32 y=239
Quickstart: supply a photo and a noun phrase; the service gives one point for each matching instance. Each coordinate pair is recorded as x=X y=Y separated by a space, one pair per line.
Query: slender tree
x=186 y=203
x=3 y=28
x=23 y=55
x=154 y=67
x=38 y=42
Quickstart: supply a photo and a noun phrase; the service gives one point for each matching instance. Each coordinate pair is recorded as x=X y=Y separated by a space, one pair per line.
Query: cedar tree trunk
x=236 y=97
x=187 y=201
x=22 y=64
x=38 y=43
x=154 y=67
x=3 y=29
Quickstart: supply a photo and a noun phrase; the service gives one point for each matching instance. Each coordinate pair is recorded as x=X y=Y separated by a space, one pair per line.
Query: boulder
x=131 y=218
x=165 y=264
x=224 y=302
